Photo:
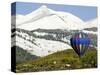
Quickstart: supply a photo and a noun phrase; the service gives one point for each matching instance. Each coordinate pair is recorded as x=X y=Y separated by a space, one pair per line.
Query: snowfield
x=42 y=47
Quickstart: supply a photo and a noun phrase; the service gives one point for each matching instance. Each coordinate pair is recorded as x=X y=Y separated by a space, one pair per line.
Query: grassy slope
x=60 y=61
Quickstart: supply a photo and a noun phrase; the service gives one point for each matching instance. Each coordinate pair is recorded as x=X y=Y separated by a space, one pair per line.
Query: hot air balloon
x=80 y=43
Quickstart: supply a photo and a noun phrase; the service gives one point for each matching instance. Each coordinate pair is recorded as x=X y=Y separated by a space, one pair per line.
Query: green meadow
x=63 y=60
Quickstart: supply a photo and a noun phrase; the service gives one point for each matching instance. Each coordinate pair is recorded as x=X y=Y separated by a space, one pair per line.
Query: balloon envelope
x=80 y=43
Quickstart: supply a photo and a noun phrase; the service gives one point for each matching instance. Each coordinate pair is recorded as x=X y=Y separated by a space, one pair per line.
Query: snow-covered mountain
x=91 y=26
x=45 y=31
x=92 y=23
x=52 y=19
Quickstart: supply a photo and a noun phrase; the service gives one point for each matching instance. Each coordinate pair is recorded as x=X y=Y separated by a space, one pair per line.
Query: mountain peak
x=44 y=6
x=44 y=9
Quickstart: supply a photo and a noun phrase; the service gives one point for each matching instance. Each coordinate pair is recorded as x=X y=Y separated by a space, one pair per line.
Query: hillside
x=23 y=55
x=62 y=60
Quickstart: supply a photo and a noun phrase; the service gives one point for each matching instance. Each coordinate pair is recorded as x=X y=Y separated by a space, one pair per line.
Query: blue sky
x=84 y=12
